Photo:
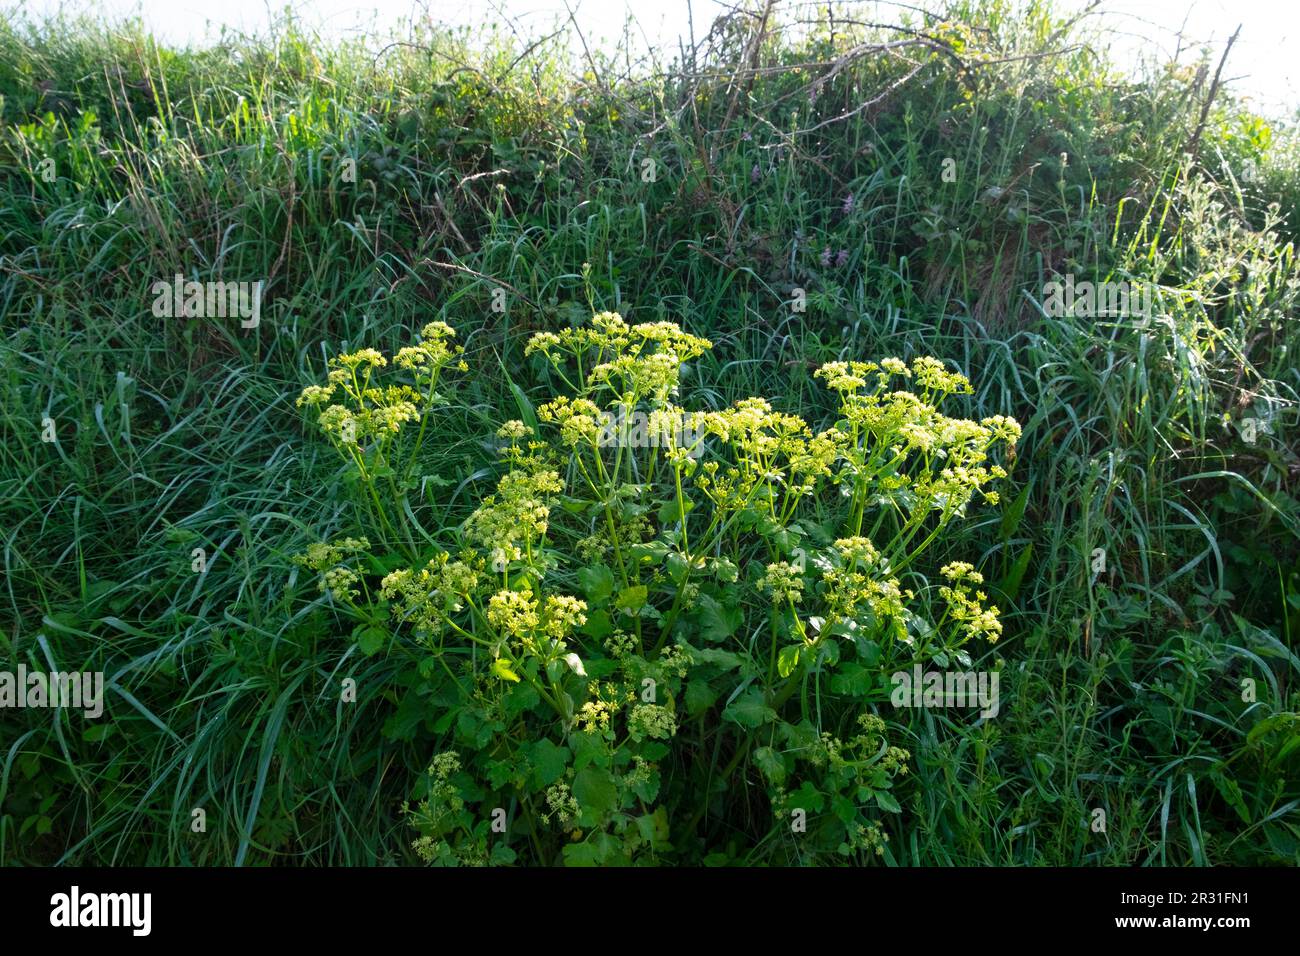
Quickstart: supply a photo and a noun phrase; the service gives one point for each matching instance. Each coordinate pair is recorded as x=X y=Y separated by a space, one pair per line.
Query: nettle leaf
x=548 y=761
x=717 y=621
x=808 y=797
x=596 y=791
x=652 y=552
x=724 y=659
x=788 y=659
x=852 y=680
x=772 y=765
x=633 y=598
x=677 y=566
x=371 y=638
x=598 y=625
x=669 y=513
x=597 y=583
x=699 y=697
x=887 y=802
x=749 y=710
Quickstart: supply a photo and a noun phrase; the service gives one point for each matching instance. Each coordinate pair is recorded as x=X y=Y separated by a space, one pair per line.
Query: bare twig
x=457 y=267
x=1195 y=142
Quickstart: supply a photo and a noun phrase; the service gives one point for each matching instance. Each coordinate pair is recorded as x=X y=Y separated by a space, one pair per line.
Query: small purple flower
x=826 y=257
x=755 y=174
x=842 y=259
x=847 y=206
x=746 y=137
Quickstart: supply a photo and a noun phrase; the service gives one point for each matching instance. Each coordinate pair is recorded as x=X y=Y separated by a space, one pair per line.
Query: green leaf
x=97 y=732
x=597 y=583
x=588 y=750
x=520 y=698
x=677 y=566
x=1010 y=583
x=502 y=855
x=699 y=697
x=527 y=414
x=653 y=827
x=1015 y=511
x=501 y=667
x=788 y=659
x=599 y=850
x=598 y=625
x=717 y=621
x=650 y=552
x=411 y=712
x=809 y=798
x=548 y=760
x=749 y=710
x=725 y=569
x=845 y=809
x=633 y=598
x=852 y=680
x=595 y=790
x=887 y=802
x=371 y=638
x=670 y=514
x=770 y=762
x=724 y=659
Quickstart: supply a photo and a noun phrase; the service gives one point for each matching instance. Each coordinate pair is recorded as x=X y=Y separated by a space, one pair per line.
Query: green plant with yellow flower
x=656 y=600
x=365 y=419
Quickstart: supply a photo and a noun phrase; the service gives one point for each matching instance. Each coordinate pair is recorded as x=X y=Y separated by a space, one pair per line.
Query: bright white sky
x=1259 y=65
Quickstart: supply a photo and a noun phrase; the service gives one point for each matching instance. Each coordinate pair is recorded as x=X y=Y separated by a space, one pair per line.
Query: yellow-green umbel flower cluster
x=966 y=606
x=326 y=557
x=434 y=352
x=509 y=523
x=580 y=420
x=634 y=362
x=924 y=460
x=513 y=613
x=860 y=587
x=429 y=597
x=784 y=582
x=651 y=720
x=353 y=412
x=322 y=554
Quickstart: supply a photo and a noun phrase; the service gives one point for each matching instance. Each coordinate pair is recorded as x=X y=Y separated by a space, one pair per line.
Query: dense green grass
x=487 y=165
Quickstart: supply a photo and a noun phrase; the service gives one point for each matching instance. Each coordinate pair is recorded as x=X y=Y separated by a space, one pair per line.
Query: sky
x=1260 y=66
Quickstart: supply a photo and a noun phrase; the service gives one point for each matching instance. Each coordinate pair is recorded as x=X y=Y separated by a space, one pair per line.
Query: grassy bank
x=915 y=188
